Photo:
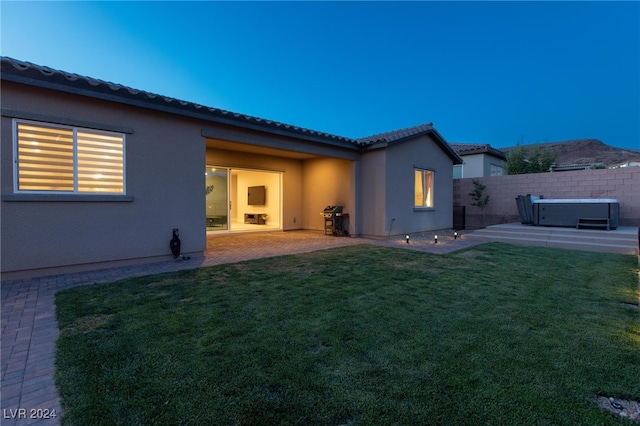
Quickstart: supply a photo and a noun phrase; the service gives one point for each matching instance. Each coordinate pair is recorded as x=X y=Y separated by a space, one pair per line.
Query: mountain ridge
x=584 y=151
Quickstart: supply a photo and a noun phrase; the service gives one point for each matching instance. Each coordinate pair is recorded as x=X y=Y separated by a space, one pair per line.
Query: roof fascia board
x=497 y=153
x=472 y=152
x=446 y=147
x=375 y=145
x=489 y=151
x=173 y=110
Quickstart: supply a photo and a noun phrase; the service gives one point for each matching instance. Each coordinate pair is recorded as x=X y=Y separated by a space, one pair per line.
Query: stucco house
x=95 y=174
x=479 y=160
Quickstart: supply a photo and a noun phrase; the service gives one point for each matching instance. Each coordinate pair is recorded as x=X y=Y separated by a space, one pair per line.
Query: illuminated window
x=423 y=188
x=68 y=159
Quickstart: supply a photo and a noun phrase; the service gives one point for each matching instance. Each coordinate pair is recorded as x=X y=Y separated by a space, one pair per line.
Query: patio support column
x=355 y=226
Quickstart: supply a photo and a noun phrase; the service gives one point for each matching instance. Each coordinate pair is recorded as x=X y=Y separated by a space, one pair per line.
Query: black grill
x=333 y=220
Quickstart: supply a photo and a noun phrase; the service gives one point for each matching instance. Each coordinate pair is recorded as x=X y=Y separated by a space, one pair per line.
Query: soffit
x=256 y=149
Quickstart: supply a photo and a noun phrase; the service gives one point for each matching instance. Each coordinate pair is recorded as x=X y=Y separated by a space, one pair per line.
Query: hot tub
x=569 y=212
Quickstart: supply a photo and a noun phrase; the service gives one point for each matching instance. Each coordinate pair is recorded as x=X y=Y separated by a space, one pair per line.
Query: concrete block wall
x=622 y=184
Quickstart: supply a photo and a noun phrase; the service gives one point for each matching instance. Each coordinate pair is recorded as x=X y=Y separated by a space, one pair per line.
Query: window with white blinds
x=67 y=159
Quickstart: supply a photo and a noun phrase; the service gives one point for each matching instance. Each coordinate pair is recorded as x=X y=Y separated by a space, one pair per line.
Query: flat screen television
x=256 y=195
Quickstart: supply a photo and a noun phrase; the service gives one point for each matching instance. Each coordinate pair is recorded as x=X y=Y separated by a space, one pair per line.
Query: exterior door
x=230 y=206
x=217 y=198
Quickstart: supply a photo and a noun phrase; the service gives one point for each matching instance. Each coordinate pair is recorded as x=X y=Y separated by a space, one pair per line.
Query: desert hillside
x=586 y=151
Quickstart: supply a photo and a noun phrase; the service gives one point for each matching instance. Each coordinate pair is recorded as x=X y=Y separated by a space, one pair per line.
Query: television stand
x=256 y=219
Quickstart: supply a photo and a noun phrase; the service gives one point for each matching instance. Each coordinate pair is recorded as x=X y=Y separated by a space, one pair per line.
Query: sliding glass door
x=217 y=198
x=243 y=199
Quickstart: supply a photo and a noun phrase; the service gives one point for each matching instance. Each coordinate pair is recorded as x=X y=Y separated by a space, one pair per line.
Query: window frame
x=495 y=167
x=76 y=194
x=458 y=167
x=424 y=172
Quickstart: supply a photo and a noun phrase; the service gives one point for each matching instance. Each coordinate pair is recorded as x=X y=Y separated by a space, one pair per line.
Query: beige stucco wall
x=477 y=165
x=372 y=193
x=166 y=155
x=327 y=181
x=422 y=153
x=164 y=162
x=388 y=188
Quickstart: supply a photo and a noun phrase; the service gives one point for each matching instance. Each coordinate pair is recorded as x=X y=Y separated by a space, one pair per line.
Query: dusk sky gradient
x=482 y=72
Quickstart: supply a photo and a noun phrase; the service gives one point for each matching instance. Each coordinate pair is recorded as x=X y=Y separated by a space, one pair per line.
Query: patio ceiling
x=257 y=149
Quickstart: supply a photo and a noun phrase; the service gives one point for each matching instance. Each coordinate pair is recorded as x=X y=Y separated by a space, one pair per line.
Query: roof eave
x=440 y=141
x=489 y=151
x=446 y=148
x=163 y=104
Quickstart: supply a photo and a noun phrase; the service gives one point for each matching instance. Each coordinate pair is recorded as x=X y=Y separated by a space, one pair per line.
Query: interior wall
x=233 y=196
x=271 y=208
x=291 y=169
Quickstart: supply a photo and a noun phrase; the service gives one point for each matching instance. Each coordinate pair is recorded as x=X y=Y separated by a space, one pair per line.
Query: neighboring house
x=479 y=160
x=96 y=174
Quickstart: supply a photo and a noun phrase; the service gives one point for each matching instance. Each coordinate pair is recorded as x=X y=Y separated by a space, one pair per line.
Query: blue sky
x=482 y=72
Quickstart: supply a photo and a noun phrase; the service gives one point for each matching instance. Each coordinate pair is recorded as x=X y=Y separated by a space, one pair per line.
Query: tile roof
x=396 y=136
x=462 y=147
x=26 y=72
x=475 y=148
x=42 y=76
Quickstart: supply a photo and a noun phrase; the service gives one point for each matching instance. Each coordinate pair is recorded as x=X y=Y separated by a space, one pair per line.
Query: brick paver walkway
x=30 y=330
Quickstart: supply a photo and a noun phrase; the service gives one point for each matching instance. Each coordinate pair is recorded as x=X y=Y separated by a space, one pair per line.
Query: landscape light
x=435 y=239
x=455 y=235
x=407 y=238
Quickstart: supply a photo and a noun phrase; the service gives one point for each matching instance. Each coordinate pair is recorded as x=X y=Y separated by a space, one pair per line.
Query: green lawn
x=362 y=335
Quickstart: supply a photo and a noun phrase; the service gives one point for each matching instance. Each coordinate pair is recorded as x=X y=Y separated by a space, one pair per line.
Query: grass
x=361 y=335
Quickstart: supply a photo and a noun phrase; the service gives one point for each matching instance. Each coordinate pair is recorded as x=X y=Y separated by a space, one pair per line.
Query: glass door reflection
x=217 y=198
